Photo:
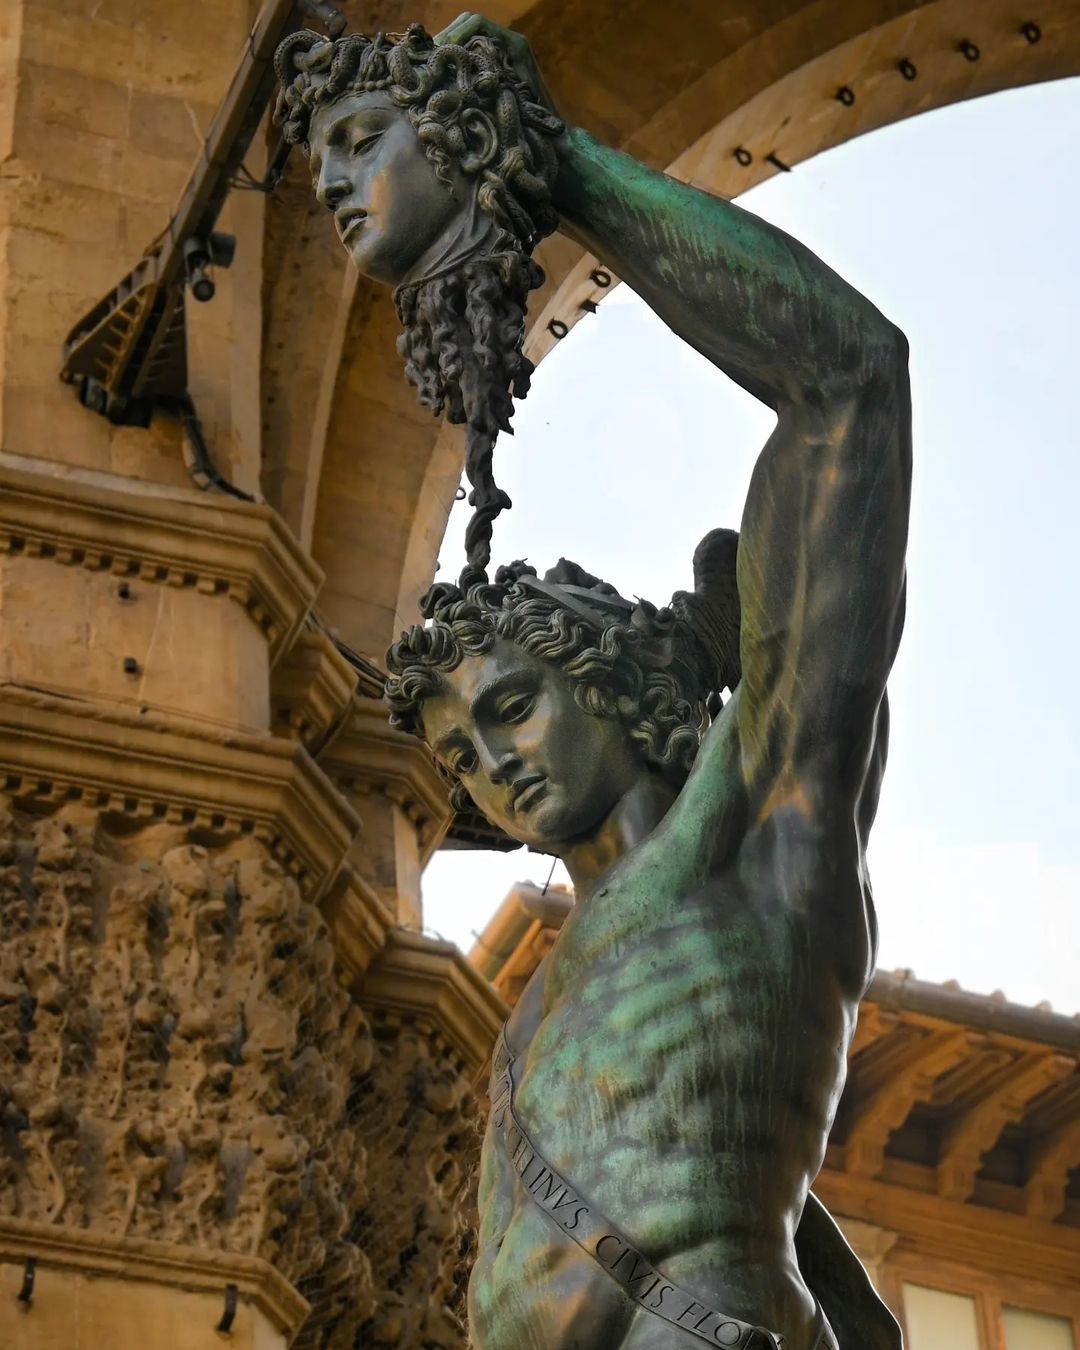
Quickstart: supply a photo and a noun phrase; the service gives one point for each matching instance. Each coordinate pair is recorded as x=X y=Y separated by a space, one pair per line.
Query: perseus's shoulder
x=528 y=1011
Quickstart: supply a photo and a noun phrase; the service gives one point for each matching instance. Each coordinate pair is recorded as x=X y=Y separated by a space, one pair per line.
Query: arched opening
x=686 y=97
x=955 y=225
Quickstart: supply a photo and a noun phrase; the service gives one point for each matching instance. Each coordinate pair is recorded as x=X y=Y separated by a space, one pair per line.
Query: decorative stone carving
x=312 y=690
x=420 y=1121
x=177 y=1061
x=435 y=1020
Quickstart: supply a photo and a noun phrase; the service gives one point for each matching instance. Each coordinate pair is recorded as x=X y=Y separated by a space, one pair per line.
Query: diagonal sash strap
x=649 y=1287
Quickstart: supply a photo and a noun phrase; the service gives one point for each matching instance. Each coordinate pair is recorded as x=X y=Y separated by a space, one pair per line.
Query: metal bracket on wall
x=228 y=1317
x=26 y=1292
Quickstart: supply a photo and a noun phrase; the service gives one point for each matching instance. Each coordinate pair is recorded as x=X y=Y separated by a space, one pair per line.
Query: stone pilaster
x=190 y=1085
x=391 y=780
x=180 y=1055
x=177 y=1062
x=434 y=1021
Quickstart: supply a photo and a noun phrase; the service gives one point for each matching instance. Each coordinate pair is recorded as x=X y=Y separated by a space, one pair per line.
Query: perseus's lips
x=527 y=793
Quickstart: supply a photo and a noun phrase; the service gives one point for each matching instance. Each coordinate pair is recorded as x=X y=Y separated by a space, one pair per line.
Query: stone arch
x=768 y=81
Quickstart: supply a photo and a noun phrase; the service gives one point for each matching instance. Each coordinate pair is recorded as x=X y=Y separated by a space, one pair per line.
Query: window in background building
x=1034 y=1331
x=940 y=1321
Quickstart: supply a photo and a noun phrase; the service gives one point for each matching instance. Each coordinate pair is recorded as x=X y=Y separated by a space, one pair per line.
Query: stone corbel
x=358 y=921
x=420 y=980
x=369 y=757
x=211 y=543
x=311 y=690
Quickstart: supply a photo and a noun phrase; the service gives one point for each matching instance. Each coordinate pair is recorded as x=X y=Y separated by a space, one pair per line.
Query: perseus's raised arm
x=821 y=553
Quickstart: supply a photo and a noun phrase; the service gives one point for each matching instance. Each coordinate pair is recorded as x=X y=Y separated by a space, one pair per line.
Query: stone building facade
x=236 y=1079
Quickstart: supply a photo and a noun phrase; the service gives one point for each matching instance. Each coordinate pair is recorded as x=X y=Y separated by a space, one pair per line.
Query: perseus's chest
x=648 y=924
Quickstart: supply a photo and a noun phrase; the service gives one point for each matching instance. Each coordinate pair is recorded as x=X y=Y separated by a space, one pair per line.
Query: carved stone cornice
x=98 y=1254
x=178 y=772
x=214 y=544
x=358 y=921
x=311 y=689
x=421 y=979
x=369 y=756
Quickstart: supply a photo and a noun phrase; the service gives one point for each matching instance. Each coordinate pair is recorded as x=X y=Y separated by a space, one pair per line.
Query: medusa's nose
x=334 y=184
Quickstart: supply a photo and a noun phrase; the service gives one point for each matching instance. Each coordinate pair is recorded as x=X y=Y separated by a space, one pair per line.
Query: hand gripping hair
x=658 y=671
x=463 y=327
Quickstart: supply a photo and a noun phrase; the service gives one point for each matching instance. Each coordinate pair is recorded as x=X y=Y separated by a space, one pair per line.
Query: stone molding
x=423 y=980
x=370 y=756
x=162 y=1263
x=312 y=689
x=174 y=771
x=943 y=1230
x=213 y=543
x=358 y=921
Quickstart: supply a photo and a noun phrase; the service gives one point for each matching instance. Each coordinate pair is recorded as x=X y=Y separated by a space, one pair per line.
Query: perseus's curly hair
x=659 y=672
x=464 y=328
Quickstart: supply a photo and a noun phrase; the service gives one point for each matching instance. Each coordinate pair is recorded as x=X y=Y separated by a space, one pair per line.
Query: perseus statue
x=663 y=1091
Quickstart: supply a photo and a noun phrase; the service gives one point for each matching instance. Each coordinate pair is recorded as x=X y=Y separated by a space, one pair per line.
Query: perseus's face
x=536 y=764
x=371 y=171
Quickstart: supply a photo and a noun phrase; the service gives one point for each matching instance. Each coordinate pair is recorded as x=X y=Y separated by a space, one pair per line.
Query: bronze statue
x=664 y=1089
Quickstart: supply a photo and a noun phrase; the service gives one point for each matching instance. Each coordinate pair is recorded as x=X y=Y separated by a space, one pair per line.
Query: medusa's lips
x=348 y=220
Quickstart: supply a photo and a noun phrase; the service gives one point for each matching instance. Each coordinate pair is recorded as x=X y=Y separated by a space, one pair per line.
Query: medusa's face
x=508 y=726
x=371 y=171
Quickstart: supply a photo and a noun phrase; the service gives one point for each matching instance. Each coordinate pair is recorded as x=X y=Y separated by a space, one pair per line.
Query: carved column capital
x=434 y=1021
x=177 y=1062
x=179 y=1058
x=312 y=690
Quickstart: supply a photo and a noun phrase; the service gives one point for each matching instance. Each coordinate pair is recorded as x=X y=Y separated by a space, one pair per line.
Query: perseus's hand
x=517 y=48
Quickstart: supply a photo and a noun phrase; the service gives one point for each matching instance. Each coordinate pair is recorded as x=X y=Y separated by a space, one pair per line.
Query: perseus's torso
x=679 y=1057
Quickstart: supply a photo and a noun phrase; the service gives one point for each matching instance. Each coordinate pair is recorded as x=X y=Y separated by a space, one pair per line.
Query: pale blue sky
x=961 y=225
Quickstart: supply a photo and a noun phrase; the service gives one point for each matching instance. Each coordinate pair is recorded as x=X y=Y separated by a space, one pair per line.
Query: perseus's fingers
x=465 y=26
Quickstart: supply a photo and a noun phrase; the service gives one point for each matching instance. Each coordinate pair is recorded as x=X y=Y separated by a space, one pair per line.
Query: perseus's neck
x=636 y=814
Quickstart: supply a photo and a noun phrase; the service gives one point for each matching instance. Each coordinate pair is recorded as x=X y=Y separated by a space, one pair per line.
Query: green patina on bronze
x=682 y=1051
